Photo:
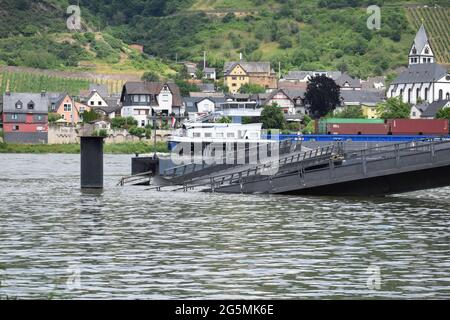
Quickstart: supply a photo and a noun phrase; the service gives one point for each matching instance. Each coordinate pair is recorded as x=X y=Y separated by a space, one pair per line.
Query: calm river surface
x=58 y=242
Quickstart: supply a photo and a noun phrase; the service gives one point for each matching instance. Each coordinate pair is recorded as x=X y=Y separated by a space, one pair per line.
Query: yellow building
x=370 y=112
x=237 y=74
x=367 y=100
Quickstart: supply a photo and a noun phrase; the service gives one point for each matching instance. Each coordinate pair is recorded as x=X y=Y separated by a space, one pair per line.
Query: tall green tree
x=443 y=114
x=150 y=76
x=90 y=116
x=323 y=96
x=351 y=112
x=272 y=117
x=394 y=108
x=251 y=89
x=186 y=87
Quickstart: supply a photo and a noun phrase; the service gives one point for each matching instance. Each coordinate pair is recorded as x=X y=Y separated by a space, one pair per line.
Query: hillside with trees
x=300 y=34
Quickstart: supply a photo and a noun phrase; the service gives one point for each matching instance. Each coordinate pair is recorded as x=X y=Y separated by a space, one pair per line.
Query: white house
x=283 y=100
x=209 y=73
x=96 y=100
x=428 y=110
x=142 y=100
x=423 y=80
x=206 y=105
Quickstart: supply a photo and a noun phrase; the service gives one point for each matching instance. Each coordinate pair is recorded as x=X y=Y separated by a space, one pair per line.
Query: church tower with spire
x=421 y=51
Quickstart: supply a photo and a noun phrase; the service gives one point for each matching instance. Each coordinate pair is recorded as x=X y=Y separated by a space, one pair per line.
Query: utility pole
x=279 y=69
x=204 y=60
x=154 y=135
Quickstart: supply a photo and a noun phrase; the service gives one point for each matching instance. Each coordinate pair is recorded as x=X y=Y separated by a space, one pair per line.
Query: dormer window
x=19 y=104
x=30 y=105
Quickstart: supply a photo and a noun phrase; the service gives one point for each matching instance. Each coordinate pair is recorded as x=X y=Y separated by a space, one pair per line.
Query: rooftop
x=416 y=73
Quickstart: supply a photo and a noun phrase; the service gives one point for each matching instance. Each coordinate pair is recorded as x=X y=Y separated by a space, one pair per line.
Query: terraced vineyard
x=32 y=82
x=437 y=23
x=26 y=82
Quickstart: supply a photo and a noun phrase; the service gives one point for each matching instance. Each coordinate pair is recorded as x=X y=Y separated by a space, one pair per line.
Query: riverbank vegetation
x=118 y=148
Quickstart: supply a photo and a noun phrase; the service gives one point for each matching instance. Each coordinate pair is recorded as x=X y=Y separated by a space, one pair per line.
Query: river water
x=57 y=242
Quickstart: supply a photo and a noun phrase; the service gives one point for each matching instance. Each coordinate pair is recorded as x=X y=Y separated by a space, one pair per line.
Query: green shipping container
x=322 y=128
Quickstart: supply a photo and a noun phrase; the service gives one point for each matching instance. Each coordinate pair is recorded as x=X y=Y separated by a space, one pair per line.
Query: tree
x=199 y=73
x=53 y=117
x=186 y=87
x=251 y=89
x=322 y=95
x=285 y=42
x=90 y=116
x=137 y=132
x=351 y=112
x=272 y=117
x=224 y=120
x=150 y=76
x=394 y=108
x=443 y=114
x=123 y=123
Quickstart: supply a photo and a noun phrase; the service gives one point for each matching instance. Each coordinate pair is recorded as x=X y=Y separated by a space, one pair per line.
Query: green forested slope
x=306 y=34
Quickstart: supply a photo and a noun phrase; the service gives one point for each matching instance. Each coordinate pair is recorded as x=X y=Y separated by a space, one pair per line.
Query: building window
x=197 y=135
x=417 y=94
x=233 y=78
x=230 y=135
x=414 y=113
x=67 y=107
x=19 y=105
x=441 y=94
x=208 y=135
x=409 y=95
x=447 y=96
x=16 y=128
x=39 y=118
x=233 y=84
x=15 y=117
x=99 y=103
x=427 y=51
x=426 y=94
x=92 y=103
x=142 y=123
